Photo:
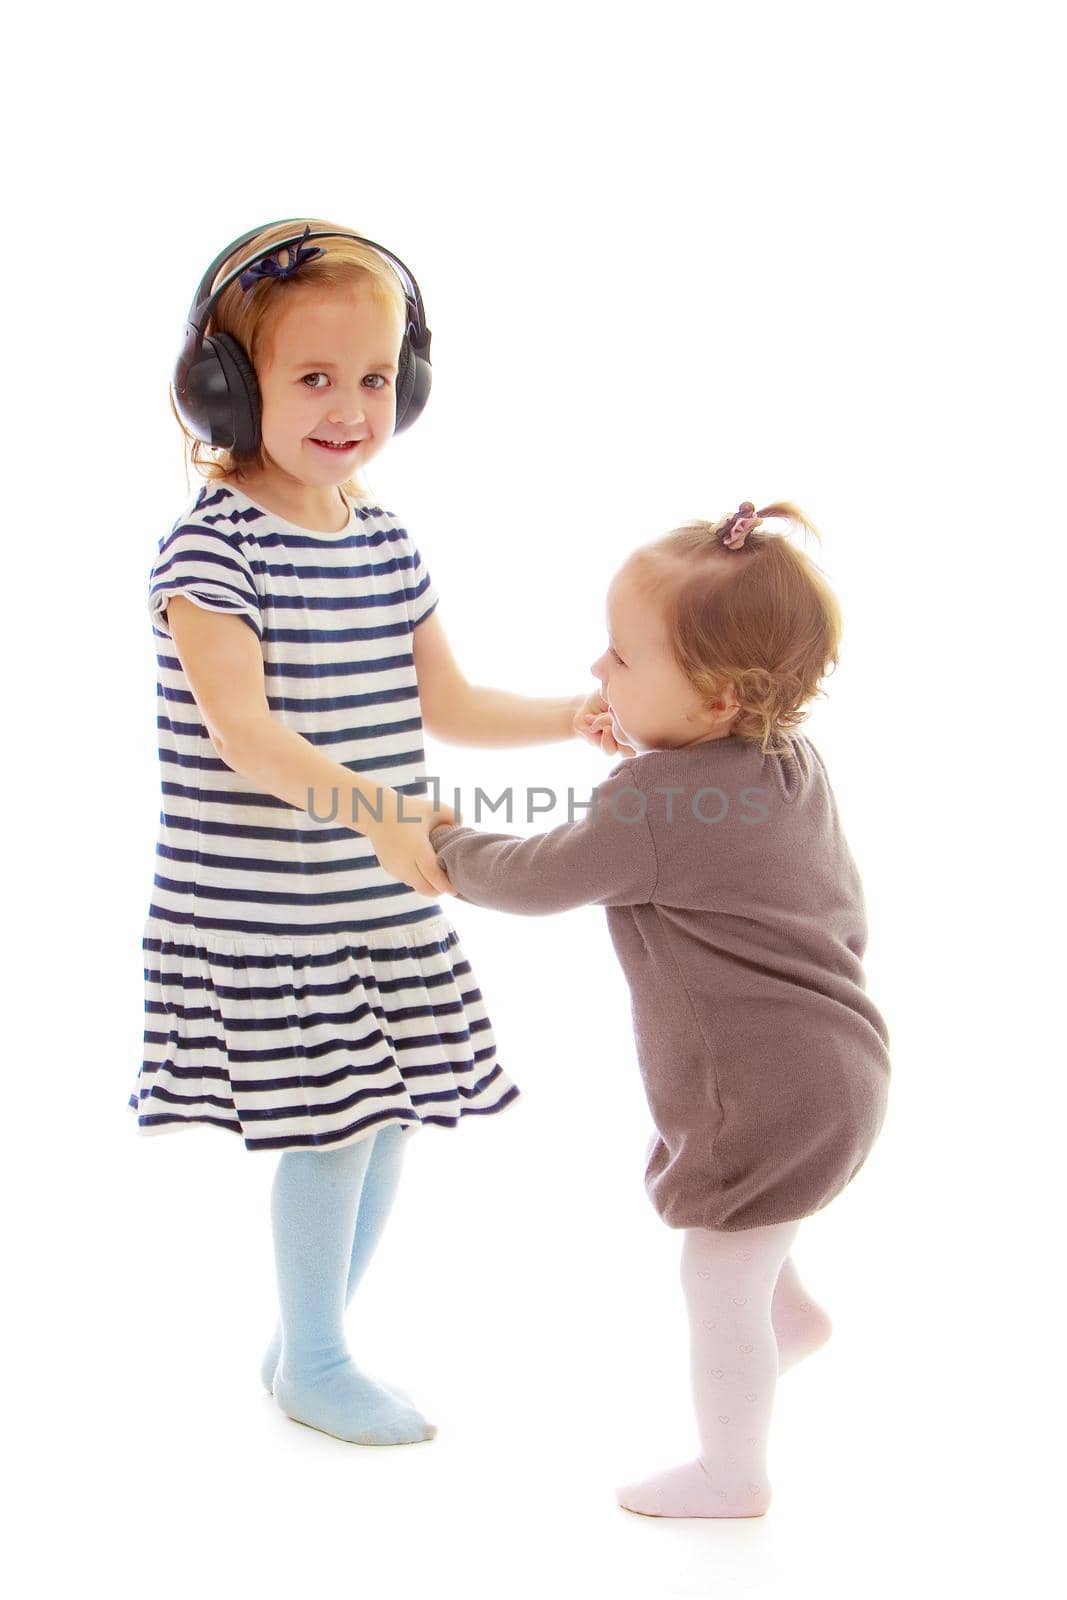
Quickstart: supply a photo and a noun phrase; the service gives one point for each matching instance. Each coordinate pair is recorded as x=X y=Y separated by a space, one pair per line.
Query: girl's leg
x=800 y=1325
x=375 y=1203
x=729 y=1281
x=314 y=1200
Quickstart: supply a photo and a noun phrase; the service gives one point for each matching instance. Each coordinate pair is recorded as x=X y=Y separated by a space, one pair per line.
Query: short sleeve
x=208 y=566
x=424 y=596
x=420 y=591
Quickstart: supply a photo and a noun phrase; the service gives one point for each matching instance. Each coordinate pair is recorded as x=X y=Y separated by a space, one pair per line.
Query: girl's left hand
x=593 y=721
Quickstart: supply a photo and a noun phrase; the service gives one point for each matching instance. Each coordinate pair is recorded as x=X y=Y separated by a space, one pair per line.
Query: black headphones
x=215 y=388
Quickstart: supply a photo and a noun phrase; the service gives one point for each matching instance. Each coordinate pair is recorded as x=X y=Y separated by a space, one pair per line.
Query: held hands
x=402 y=839
x=593 y=721
x=402 y=842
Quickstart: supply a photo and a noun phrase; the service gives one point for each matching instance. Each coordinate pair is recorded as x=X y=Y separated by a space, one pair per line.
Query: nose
x=346 y=408
x=346 y=416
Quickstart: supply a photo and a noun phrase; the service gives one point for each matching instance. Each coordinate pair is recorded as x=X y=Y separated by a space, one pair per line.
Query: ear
x=725 y=704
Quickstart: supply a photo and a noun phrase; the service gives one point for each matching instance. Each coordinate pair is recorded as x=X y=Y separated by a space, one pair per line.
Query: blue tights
x=328 y=1210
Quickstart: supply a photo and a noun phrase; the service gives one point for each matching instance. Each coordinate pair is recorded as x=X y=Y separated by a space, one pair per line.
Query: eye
x=617 y=656
x=304 y=380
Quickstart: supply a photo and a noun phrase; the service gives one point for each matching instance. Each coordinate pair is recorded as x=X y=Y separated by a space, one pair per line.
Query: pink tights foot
x=691 y=1491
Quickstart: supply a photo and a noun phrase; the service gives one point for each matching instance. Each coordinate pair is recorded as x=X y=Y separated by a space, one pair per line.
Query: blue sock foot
x=270 y=1366
x=343 y=1402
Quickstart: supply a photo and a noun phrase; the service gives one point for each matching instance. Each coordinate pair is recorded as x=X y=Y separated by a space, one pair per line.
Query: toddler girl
x=302 y=987
x=735 y=908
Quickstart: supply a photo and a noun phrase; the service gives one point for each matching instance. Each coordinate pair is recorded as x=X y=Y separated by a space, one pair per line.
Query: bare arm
x=488 y=717
x=458 y=712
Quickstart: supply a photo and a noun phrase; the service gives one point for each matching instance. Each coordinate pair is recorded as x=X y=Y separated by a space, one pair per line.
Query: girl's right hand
x=402 y=844
x=600 y=729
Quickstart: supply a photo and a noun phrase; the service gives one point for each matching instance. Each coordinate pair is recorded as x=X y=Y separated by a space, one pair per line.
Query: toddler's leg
x=729 y=1281
x=801 y=1326
x=380 y=1184
x=314 y=1200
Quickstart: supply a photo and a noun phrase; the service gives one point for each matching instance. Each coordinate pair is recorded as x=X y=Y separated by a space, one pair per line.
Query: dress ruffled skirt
x=313 y=1041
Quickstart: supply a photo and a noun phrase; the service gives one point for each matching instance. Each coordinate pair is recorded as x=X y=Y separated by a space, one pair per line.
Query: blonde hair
x=345 y=264
x=760 y=617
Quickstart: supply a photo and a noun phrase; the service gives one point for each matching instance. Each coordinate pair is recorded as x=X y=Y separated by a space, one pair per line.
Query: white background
x=673 y=257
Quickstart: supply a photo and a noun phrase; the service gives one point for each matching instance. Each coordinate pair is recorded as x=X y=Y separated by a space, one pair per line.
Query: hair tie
x=735 y=529
x=270 y=267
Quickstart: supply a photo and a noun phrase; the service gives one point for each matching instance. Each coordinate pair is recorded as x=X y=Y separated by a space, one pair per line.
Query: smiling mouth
x=344 y=444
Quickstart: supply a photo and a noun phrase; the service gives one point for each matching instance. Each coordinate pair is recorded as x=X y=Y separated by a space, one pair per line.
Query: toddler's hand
x=594 y=722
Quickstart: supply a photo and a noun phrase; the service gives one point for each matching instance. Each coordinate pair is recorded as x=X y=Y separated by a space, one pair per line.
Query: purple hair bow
x=269 y=267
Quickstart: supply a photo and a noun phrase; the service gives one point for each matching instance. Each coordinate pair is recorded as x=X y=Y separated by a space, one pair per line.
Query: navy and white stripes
x=295 y=992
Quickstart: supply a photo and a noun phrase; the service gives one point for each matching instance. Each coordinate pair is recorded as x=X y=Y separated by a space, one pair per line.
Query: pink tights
x=749 y=1320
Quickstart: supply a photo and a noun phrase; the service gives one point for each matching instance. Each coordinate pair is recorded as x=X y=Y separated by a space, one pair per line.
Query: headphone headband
x=200 y=309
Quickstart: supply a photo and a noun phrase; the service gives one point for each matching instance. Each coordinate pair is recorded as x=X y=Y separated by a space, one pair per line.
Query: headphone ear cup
x=405 y=382
x=242 y=388
x=412 y=386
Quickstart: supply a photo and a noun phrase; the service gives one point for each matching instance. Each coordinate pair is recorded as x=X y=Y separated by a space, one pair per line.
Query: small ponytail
x=732 y=531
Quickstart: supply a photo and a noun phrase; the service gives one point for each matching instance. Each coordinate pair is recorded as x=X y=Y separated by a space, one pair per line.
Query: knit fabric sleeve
x=606 y=857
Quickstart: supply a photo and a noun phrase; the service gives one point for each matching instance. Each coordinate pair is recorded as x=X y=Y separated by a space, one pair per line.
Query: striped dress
x=295 y=992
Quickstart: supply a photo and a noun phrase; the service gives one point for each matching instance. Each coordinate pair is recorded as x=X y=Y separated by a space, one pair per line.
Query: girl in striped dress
x=303 y=988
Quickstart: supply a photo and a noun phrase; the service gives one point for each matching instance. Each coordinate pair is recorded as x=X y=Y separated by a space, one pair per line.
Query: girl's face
x=652 y=703
x=329 y=374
